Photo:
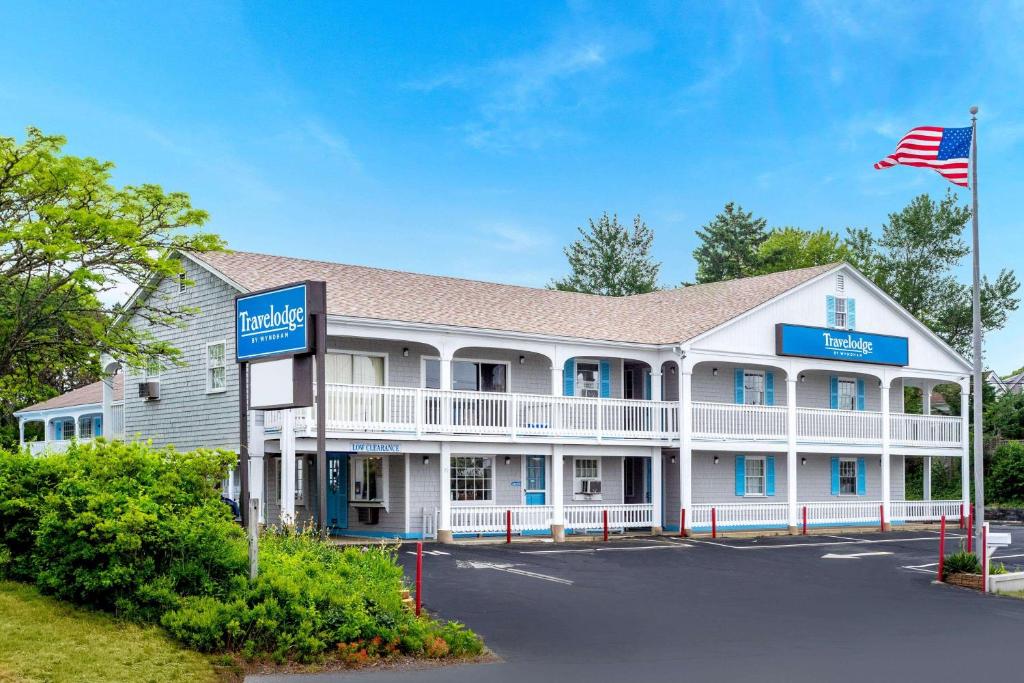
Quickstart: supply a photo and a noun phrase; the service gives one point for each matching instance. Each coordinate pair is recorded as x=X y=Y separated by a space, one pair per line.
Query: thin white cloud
x=512 y=238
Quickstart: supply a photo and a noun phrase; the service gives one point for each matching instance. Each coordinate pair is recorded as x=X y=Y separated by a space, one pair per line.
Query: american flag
x=945 y=150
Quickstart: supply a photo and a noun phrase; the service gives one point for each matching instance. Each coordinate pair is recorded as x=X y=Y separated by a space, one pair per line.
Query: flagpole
x=979 y=459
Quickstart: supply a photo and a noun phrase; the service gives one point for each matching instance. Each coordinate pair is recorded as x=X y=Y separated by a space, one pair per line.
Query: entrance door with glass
x=337 y=492
x=536 y=490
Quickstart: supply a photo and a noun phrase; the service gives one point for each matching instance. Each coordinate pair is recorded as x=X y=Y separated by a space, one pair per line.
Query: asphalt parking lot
x=815 y=608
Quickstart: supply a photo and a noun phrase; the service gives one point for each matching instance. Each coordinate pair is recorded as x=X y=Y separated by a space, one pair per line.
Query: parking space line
x=663 y=546
x=780 y=546
x=510 y=569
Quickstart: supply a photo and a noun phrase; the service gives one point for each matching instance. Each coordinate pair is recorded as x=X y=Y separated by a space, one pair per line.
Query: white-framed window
x=365 y=369
x=369 y=479
x=841 y=312
x=584 y=470
x=216 y=367
x=754 y=475
x=753 y=387
x=85 y=427
x=847 y=476
x=468 y=375
x=300 y=480
x=63 y=428
x=472 y=479
x=588 y=378
x=182 y=283
x=847 y=393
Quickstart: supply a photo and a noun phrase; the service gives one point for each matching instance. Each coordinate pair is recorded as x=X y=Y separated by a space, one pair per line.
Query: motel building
x=455 y=407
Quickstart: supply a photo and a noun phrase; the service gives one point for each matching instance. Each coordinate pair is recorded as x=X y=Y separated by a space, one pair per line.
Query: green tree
x=790 y=248
x=1004 y=416
x=729 y=245
x=611 y=259
x=71 y=240
x=915 y=261
x=1005 y=480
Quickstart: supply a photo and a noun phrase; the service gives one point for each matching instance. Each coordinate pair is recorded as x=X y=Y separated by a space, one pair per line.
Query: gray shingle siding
x=185 y=415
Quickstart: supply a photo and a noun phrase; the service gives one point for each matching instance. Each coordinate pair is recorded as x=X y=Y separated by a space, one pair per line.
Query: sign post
x=282 y=333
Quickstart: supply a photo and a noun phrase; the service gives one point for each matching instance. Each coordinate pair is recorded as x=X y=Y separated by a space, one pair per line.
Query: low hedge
x=142 y=533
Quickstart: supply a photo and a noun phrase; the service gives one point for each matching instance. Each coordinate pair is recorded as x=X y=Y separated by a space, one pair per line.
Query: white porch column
x=886 y=467
x=926 y=398
x=78 y=427
x=21 y=432
x=656 y=396
x=556 y=382
x=48 y=434
x=685 y=447
x=287 y=467
x=557 y=493
x=444 y=525
x=446 y=371
x=791 y=469
x=657 y=497
x=926 y=472
x=965 y=457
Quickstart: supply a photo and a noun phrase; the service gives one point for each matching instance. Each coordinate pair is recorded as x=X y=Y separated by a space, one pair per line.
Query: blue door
x=536 y=481
x=337 y=492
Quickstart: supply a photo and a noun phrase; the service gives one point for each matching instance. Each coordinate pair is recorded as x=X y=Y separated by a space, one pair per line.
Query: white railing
x=492 y=519
x=356 y=408
x=925 y=430
x=620 y=516
x=51 y=446
x=116 y=421
x=727 y=420
x=925 y=510
x=842 y=512
x=847 y=426
x=741 y=515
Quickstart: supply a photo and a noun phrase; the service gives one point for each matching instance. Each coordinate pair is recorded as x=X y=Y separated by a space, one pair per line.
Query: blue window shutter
x=741 y=475
x=769 y=388
x=647 y=384
x=58 y=430
x=769 y=475
x=833 y=390
x=97 y=426
x=738 y=385
x=851 y=314
x=569 y=377
x=830 y=310
x=606 y=379
x=860 y=394
x=835 y=476
x=862 y=480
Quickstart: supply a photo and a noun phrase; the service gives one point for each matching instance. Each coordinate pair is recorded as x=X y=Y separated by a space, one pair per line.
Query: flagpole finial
x=974 y=110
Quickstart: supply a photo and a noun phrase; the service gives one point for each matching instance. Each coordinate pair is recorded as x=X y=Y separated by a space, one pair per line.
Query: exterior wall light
x=716 y=459
x=508 y=460
x=405 y=351
x=714 y=372
x=522 y=360
x=426 y=459
x=803 y=461
x=672 y=459
x=803 y=378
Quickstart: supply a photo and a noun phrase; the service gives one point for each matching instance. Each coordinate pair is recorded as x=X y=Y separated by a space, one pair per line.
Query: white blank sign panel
x=271 y=384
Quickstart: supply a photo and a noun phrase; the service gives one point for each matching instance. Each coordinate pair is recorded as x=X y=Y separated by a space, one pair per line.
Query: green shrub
x=1006 y=476
x=961 y=562
x=142 y=532
x=996 y=568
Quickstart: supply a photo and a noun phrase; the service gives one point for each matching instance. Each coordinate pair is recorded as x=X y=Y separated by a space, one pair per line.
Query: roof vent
x=840 y=283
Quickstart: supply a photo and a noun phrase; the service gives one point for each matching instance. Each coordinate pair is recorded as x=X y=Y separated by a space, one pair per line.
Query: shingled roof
x=664 y=317
x=83 y=396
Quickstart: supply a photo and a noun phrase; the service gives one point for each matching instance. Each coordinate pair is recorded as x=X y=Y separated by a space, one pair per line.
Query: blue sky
x=471 y=139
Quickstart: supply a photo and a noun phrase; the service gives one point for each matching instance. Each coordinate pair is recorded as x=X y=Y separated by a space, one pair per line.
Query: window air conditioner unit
x=149 y=390
x=591 y=486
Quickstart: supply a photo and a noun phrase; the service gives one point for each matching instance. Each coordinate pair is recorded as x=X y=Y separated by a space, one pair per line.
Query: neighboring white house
x=456 y=405
x=78 y=414
x=1014 y=384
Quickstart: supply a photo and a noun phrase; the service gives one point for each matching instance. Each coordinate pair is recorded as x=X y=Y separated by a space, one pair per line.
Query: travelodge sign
x=273 y=323
x=844 y=345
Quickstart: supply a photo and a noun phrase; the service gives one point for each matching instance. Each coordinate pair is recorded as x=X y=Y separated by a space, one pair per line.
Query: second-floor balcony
x=424 y=412
x=726 y=421
x=399 y=410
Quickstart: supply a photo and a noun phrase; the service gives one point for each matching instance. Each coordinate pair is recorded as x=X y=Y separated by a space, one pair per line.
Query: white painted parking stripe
x=780 y=546
x=663 y=546
x=510 y=569
x=852 y=556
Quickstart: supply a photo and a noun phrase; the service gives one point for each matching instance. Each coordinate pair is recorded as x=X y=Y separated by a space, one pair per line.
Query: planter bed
x=964 y=580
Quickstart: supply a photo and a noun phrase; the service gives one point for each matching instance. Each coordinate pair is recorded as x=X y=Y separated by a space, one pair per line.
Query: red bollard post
x=419 y=577
x=714 y=524
x=605 y=517
x=881 y=517
x=970 y=531
x=682 y=522
x=942 y=546
x=508 y=526
x=805 y=520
